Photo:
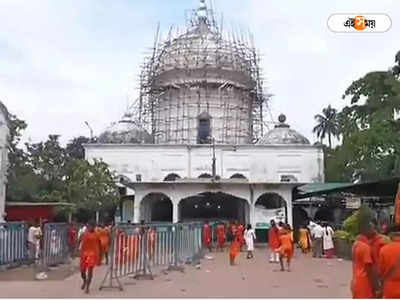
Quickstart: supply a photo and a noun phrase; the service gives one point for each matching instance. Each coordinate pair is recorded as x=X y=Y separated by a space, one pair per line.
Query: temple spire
x=202 y=11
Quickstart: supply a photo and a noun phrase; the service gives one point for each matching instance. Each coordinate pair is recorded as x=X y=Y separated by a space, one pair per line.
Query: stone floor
x=310 y=278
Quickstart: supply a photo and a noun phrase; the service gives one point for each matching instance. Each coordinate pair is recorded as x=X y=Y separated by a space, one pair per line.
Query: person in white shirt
x=249 y=237
x=311 y=226
x=34 y=236
x=317 y=235
x=328 y=245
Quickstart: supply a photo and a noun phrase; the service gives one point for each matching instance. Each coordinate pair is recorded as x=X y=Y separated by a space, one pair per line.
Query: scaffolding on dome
x=198 y=74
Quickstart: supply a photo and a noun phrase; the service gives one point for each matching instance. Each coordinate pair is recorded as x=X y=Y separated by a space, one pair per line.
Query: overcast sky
x=66 y=62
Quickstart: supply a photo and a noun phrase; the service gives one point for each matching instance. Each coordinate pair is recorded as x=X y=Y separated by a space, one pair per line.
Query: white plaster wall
x=177 y=192
x=259 y=164
x=256 y=163
x=3 y=163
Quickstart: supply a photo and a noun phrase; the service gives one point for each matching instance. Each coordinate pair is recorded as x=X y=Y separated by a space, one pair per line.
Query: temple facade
x=197 y=143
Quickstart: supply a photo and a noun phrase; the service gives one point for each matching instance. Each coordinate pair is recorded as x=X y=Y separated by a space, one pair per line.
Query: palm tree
x=327 y=124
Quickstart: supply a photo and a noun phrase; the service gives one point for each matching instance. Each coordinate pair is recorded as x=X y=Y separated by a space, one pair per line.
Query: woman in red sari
x=221 y=236
x=207 y=236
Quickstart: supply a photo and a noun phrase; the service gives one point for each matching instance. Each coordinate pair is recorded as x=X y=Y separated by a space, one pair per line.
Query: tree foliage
x=90 y=185
x=48 y=160
x=16 y=157
x=75 y=147
x=327 y=124
x=49 y=172
x=369 y=128
x=22 y=183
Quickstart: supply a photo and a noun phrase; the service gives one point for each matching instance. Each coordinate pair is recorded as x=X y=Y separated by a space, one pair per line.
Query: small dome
x=125 y=132
x=283 y=135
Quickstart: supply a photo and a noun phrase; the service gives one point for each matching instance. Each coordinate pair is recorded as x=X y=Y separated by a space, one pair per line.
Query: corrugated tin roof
x=381 y=188
x=318 y=187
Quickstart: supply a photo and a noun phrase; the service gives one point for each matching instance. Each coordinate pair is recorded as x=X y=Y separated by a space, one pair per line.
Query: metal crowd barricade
x=55 y=249
x=137 y=250
x=13 y=244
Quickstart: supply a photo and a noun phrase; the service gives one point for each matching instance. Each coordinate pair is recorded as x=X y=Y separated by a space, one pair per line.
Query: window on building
x=204 y=129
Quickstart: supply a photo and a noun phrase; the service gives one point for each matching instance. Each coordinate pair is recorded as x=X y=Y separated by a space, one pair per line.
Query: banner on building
x=263 y=216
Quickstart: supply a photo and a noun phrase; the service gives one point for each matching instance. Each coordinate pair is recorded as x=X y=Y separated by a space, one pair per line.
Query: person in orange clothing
x=377 y=242
x=286 y=249
x=233 y=230
x=273 y=242
x=240 y=230
x=234 y=249
x=90 y=255
x=221 y=237
x=207 y=235
x=105 y=239
x=364 y=284
x=389 y=266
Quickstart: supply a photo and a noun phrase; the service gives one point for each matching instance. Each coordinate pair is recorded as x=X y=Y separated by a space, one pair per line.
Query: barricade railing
x=137 y=250
x=55 y=249
x=13 y=244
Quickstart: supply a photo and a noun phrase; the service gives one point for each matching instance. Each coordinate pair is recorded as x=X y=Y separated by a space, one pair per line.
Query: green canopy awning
x=381 y=188
x=322 y=187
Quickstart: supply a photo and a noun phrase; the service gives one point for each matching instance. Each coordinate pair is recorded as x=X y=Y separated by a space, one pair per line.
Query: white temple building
x=196 y=145
x=4 y=132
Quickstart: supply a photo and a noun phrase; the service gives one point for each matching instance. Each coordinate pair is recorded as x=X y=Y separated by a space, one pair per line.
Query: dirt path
x=250 y=278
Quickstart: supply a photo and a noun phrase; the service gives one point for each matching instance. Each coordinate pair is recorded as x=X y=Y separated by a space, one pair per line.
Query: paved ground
x=309 y=278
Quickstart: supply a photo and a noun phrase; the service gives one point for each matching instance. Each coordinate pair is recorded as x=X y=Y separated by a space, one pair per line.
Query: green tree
x=327 y=124
x=48 y=172
x=90 y=186
x=369 y=127
x=75 y=147
x=16 y=156
x=48 y=160
x=22 y=183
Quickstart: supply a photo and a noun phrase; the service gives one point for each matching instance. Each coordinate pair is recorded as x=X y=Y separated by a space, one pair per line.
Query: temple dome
x=201 y=48
x=283 y=135
x=125 y=132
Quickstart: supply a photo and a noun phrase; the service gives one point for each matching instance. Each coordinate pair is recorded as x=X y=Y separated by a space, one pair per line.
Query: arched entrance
x=205 y=176
x=270 y=206
x=324 y=214
x=156 y=207
x=300 y=218
x=172 y=177
x=238 y=176
x=214 y=206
